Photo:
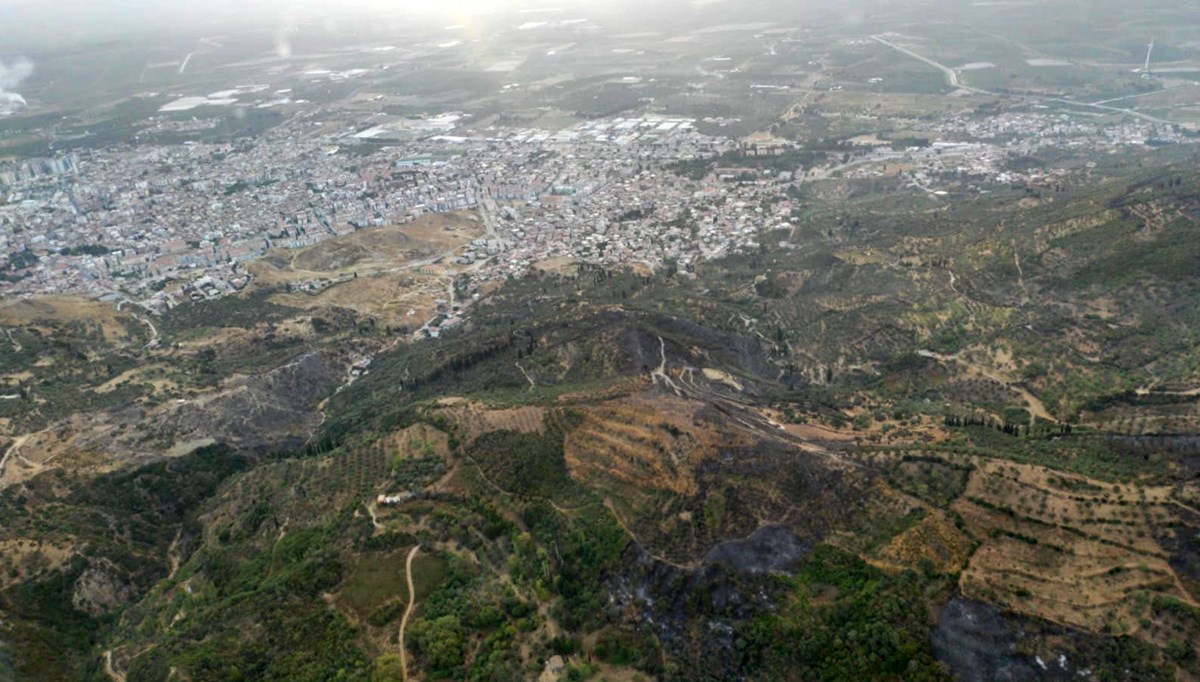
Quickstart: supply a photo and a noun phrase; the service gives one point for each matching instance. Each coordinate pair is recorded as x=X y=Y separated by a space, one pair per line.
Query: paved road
x=1142 y=94
x=951 y=74
x=952 y=79
x=1105 y=107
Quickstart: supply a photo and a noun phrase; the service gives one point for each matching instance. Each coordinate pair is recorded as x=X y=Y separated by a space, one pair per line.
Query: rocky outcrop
x=101 y=589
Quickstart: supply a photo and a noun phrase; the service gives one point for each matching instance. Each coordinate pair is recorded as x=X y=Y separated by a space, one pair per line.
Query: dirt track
x=412 y=599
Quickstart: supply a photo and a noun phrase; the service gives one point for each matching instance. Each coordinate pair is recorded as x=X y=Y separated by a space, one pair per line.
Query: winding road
x=110 y=670
x=144 y=320
x=412 y=599
x=528 y=378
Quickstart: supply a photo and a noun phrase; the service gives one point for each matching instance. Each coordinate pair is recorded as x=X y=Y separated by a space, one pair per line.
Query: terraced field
x=646 y=447
x=1083 y=552
x=1068 y=549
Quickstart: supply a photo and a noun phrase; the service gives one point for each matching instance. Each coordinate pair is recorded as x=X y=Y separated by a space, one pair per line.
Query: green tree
x=440 y=642
x=388 y=668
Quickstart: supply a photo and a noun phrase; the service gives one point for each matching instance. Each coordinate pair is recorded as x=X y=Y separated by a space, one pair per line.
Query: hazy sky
x=126 y=12
x=64 y=21
x=57 y=23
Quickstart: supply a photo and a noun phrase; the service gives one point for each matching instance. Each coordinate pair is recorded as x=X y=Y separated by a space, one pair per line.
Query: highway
x=951 y=74
x=1142 y=94
x=952 y=80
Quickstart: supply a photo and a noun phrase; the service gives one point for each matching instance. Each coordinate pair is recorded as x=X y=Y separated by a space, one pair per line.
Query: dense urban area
x=171 y=223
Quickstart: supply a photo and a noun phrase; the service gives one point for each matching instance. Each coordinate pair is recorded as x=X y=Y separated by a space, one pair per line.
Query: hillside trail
x=661 y=372
x=528 y=378
x=10 y=452
x=412 y=599
x=110 y=670
x=1037 y=409
x=17 y=348
x=154 y=336
x=1151 y=390
x=173 y=553
x=374 y=518
x=1020 y=272
x=608 y=504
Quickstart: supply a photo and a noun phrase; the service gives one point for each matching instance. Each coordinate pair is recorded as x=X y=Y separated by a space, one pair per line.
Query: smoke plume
x=13 y=73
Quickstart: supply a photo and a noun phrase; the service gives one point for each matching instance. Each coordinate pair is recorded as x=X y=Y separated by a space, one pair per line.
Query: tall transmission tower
x=1149 y=51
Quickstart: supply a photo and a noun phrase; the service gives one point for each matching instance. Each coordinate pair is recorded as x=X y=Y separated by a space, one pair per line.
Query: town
x=165 y=224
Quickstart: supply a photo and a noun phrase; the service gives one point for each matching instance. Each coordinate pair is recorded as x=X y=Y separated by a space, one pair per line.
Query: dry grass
x=379 y=272
x=371 y=250
x=80 y=444
x=140 y=374
x=1057 y=546
x=22 y=559
x=47 y=313
x=562 y=265
x=474 y=419
x=396 y=298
